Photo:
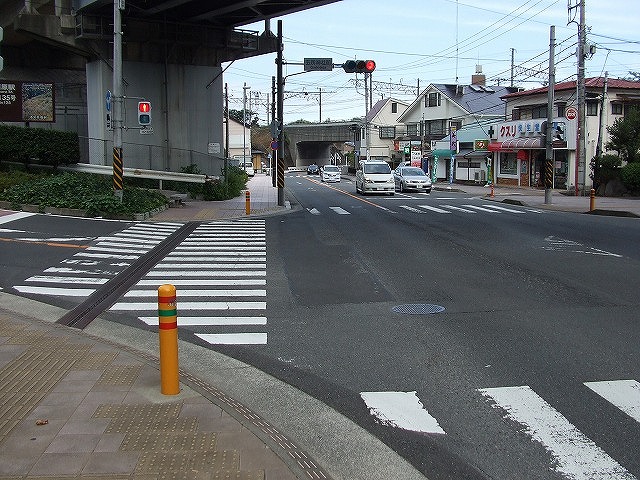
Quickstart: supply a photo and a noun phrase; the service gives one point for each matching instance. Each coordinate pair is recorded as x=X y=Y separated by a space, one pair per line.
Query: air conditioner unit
x=476 y=177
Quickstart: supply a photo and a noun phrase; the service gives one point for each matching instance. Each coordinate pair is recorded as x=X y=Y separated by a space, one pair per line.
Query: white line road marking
x=411 y=209
x=578 y=457
x=184 y=321
x=459 y=209
x=55 y=291
x=214 y=248
x=624 y=394
x=434 y=209
x=402 y=410
x=228 y=258
x=504 y=209
x=340 y=210
x=234 y=338
x=475 y=207
x=200 y=293
x=76 y=280
x=15 y=216
x=231 y=266
x=313 y=211
x=210 y=273
x=105 y=255
x=204 y=282
x=237 y=243
x=153 y=306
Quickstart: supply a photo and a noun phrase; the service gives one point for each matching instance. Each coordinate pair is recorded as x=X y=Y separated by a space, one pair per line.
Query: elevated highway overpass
x=173 y=52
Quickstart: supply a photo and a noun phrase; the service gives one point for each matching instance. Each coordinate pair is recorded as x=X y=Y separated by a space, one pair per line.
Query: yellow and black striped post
x=168 y=332
x=117 y=172
x=247 y=203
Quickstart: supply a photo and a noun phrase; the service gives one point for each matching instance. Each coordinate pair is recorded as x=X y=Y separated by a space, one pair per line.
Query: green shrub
x=604 y=169
x=630 y=175
x=93 y=193
x=47 y=147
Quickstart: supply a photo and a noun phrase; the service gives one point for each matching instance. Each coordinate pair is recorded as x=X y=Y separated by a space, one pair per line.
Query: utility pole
x=280 y=164
x=244 y=126
x=548 y=166
x=366 y=119
x=512 y=64
x=118 y=121
x=602 y=115
x=581 y=154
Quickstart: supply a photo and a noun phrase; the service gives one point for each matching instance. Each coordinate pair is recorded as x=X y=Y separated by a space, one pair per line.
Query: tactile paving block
x=165 y=410
x=119 y=375
x=158 y=441
x=158 y=462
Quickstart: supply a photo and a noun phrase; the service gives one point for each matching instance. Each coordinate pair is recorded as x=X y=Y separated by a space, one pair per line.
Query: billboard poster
x=27 y=101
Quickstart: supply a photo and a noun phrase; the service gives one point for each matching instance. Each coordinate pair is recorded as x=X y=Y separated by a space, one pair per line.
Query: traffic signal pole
x=280 y=119
x=118 y=161
x=548 y=166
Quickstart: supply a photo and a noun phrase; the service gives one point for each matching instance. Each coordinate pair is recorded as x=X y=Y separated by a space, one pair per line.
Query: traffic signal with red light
x=359 y=66
x=144 y=113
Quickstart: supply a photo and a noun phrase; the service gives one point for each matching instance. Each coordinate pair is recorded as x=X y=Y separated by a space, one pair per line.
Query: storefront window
x=508 y=164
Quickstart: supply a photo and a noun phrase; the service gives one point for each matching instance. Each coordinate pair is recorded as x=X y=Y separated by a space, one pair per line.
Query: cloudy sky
x=418 y=42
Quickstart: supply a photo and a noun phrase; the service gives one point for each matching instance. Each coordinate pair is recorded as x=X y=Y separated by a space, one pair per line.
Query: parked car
x=330 y=173
x=248 y=167
x=374 y=176
x=411 y=178
x=313 y=169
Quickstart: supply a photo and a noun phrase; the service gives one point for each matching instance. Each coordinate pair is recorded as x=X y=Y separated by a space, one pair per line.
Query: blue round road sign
x=274 y=145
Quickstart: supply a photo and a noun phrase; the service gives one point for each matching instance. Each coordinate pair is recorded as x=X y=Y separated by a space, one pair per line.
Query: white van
x=374 y=176
x=248 y=167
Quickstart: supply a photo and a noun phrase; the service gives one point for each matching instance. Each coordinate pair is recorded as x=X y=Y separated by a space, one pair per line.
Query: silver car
x=411 y=178
x=330 y=173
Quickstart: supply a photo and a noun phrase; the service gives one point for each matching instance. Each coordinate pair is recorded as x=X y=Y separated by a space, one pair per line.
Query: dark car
x=313 y=169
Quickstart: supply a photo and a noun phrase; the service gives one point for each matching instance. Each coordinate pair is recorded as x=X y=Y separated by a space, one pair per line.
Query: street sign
x=571 y=113
x=318 y=64
x=146 y=131
x=108 y=100
x=274 y=145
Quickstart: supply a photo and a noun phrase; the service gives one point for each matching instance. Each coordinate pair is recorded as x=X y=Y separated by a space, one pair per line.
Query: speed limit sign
x=571 y=113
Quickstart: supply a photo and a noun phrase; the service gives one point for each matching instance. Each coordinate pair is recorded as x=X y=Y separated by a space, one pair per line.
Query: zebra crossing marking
x=411 y=209
x=624 y=394
x=340 y=210
x=459 y=209
x=402 y=410
x=187 y=321
x=434 y=209
x=481 y=209
x=577 y=456
x=234 y=338
x=504 y=209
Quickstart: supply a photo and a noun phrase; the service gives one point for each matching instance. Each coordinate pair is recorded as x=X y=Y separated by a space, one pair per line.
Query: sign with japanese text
x=482 y=144
x=27 y=101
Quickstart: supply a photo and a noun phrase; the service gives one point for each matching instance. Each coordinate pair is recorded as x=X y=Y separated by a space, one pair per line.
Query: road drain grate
x=418 y=308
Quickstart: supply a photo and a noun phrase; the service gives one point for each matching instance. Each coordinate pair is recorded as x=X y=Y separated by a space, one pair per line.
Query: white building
x=519 y=144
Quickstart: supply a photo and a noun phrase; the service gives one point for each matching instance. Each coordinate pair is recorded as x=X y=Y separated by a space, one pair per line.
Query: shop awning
x=441 y=152
x=516 y=144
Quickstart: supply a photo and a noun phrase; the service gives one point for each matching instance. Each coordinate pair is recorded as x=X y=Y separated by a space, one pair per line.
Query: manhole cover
x=418 y=308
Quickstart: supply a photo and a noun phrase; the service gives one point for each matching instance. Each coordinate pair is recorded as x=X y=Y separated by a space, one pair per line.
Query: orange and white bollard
x=168 y=333
x=491 y=189
x=247 y=202
x=592 y=200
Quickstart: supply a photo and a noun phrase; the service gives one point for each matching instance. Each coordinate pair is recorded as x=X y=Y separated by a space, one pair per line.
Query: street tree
x=624 y=136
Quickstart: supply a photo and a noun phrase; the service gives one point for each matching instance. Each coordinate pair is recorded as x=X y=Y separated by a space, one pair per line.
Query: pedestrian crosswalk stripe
x=624 y=394
x=577 y=456
x=340 y=210
x=504 y=209
x=204 y=282
x=74 y=280
x=232 y=266
x=153 y=306
x=56 y=291
x=411 y=209
x=217 y=258
x=186 y=293
x=187 y=321
x=434 y=209
x=482 y=209
x=234 y=338
x=459 y=209
x=209 y=273
x=402 y=410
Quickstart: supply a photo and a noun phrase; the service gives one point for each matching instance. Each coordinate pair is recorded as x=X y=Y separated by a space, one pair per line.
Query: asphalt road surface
x=478 y=340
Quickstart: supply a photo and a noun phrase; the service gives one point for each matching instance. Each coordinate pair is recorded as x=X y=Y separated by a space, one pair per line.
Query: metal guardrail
x=141 y=173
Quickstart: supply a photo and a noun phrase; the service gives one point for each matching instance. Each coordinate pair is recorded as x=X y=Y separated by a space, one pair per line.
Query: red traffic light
x=359 y=66
x=144 y=113
x=144 y=107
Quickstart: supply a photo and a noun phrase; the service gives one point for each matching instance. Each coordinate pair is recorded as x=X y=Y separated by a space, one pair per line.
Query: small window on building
x=616 y=109
x=412 y=129
x=508 y=164
x=592 y=109
x=387 y=132
x=539 y=112
x=515 y=114
x=562 y=108
x=394 y=107
x=432 y=100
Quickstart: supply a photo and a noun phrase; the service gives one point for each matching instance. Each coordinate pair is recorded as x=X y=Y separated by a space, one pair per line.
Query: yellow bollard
x=492 y=190
x=247 y=203
x=592 y=200
x=168 y=332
